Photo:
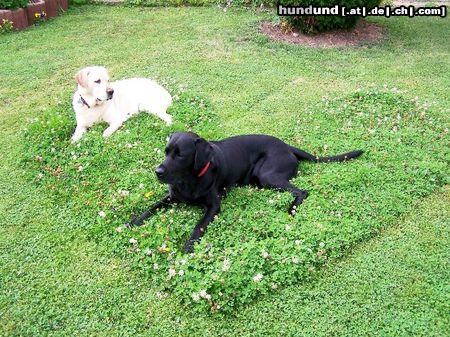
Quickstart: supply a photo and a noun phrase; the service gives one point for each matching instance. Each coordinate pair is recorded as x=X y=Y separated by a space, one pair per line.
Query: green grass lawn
x=67 y=271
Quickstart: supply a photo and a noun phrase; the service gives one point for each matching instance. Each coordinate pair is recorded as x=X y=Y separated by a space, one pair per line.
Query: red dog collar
x=203 y=171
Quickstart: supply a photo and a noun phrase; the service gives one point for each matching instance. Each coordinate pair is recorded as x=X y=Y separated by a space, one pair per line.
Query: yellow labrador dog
x=97 y=100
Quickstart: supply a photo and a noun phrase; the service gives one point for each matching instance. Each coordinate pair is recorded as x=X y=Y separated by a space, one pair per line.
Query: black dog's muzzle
x=161 y=172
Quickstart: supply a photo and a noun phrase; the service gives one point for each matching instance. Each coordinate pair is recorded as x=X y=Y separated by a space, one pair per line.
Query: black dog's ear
x=203 y=153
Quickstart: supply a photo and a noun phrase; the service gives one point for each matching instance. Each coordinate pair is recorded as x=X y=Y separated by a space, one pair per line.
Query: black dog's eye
x=166 y=151
x=177 y=153
x=98 y=81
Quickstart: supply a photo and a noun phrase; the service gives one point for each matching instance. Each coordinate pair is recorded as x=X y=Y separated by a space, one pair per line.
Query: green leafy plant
x=6 y=27
x=253 y=247
x=13 y=4
x=40 y=17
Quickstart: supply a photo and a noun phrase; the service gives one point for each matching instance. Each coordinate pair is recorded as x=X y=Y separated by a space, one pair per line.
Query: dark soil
x=364 y=33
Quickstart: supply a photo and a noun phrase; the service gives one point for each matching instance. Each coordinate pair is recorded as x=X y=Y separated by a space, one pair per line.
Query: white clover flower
x=101 y=214
x=195 y=297
x=124 y=193
x=181 y=272
x=298 y=242
x=155 y=266
x=148 y=252
x=287 y=227
x=295 y=260
x=80 y=168
x=274 y=286
x=172 y=272
x=141 y=186
x=161 y=295
x=133 y=241
x=265 y=254
x=40 y=175
x=208 y=297
x=226 y=265
x=119 y=229
x=203 y=293
x=258 y=277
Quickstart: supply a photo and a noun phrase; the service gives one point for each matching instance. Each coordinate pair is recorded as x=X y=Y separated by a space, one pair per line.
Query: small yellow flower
x=164 y=249
x=36 y=15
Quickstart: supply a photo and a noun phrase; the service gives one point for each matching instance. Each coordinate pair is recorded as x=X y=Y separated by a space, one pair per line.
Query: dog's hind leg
x=272 y=175
x=299 y=195
x=159 y=111
x=163 y=203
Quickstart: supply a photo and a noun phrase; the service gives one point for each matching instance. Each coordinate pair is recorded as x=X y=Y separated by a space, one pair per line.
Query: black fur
x=252 y=159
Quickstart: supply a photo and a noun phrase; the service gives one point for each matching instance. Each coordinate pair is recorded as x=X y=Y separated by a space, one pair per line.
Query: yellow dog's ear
x=81 y=77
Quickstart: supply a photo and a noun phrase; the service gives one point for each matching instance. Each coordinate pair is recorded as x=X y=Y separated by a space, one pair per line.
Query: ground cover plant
x=253 y=246
x=78 y=272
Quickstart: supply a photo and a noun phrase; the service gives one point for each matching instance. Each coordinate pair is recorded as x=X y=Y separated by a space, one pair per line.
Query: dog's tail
x=302 y=155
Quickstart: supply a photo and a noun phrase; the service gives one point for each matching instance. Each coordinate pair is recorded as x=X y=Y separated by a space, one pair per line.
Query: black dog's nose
x=160 y=171
x=110 y=92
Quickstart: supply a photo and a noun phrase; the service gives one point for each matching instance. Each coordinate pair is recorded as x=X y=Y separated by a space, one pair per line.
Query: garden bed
x=365 y=32
x=18 y=17
x=36 y=11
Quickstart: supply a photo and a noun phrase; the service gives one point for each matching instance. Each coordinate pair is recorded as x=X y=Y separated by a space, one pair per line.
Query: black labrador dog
x=200 y=172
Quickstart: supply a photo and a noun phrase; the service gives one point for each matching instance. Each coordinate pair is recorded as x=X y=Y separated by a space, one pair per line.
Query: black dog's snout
x=160 y=171
x=110 y=92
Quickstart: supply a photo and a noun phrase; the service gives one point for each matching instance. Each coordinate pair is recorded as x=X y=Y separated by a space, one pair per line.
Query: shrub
x=78 y=2
x=314 y=24
x=13 y=4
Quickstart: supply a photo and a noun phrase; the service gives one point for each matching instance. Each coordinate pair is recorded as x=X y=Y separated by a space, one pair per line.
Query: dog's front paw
x=79 y=132
x=135 y=221
x=108 y=132
x=189 y=247
x=75 y=138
